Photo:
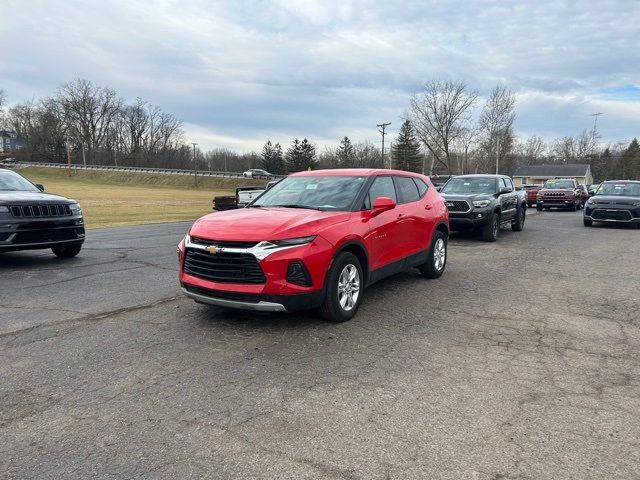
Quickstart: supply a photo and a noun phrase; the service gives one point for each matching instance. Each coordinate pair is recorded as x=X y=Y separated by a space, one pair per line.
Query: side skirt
x=398 y=266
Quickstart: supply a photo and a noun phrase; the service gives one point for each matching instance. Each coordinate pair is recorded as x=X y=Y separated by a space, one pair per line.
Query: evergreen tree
x=628 y=167
x=301 y=156
x=271 y=158
x=346 y=154
x=406 y=149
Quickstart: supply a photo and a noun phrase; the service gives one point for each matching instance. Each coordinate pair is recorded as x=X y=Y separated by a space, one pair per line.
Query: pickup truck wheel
x=434 y=268
x=491 y=230
x=344 y=287
x=538 y=207
x=587 y=223
x=518 y=224
x=66 y=252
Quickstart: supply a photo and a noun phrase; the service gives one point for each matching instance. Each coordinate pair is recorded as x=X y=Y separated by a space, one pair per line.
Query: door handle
x=427 y=207
x=400 y=215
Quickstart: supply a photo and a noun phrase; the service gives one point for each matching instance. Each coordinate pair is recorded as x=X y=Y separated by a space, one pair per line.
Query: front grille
x=39 y=211
x=45 y=236
x=222 y=243
x=223 y=267
x=458 y=206
x=601 y=214
x=554 y=195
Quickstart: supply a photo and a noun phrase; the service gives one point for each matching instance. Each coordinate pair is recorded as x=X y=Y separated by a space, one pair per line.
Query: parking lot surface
x=522 y=361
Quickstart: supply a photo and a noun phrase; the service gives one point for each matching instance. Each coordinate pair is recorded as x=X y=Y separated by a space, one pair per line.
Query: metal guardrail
x=167 y=171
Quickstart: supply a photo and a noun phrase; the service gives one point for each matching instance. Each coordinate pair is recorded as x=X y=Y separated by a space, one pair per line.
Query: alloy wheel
x=439 y=254
x=348 y=287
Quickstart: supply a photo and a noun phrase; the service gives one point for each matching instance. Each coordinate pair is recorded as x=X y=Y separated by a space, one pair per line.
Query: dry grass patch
x=121 y=198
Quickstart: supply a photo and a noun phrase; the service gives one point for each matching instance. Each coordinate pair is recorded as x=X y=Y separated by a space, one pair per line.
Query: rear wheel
x=491 y=229
x=66 y=251
x=518 y=223
x=434 y=268
x=345 y=283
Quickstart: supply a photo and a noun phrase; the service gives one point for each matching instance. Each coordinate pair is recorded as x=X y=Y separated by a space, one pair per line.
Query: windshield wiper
x=292 y=205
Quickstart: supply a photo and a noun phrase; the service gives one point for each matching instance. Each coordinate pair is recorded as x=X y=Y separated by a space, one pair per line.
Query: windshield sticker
x=312 y=186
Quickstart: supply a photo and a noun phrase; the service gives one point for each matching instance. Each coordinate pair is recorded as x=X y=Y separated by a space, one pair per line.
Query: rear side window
x=407 y=190
x=422 y=187
x=381 y=187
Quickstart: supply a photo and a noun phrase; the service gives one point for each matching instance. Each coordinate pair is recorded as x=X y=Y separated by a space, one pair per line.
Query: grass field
x=111 y=199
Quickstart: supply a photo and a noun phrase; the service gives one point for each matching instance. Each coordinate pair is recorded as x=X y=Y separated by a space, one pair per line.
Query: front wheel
x=518 y=224
x=345 y=283
x=434 y=268
x=538 y=207
x=66 y=251
x=492 y=229
x=586 y=222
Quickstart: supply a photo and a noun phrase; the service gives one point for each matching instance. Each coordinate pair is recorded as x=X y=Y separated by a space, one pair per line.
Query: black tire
x=518 y=224
x=332 y=309
x=587 y=223
x=529 y=204
x=491 y=230
x=434 y=268
x=66 y=251
x=538 y=207
x=574 y=207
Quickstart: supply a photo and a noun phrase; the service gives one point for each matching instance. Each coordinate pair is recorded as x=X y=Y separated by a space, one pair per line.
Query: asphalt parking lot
x=522 y=361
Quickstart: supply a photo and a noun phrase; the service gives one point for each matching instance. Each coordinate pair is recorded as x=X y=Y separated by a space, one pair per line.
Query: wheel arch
x=358 y=249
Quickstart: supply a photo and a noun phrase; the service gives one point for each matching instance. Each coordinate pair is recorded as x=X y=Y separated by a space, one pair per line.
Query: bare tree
x=439 y=114
x=496 y=126
x=575 y=149
x=89 y=111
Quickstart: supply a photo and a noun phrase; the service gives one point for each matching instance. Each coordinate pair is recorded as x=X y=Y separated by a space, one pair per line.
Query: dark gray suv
x=31 y=219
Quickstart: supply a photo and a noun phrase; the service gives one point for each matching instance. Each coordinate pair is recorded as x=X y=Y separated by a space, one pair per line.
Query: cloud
x=240 y=72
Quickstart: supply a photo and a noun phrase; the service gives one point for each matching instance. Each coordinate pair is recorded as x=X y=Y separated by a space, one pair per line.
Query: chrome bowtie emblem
x=212 y=249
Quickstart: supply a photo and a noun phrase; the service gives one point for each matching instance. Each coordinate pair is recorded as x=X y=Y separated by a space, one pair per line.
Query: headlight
x=75 y=209
x=290 y=242
x=481 y=203
x=635 y=204
x=4 y=209
x=590 y=201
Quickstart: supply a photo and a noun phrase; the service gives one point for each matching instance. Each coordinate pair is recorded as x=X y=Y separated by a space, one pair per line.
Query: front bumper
x=272 y=293
x=255 y=302
x=612 y=215
x=476 y=218
x=31 y=234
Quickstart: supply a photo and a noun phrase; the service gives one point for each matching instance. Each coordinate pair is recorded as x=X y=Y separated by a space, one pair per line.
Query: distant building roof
x=562 y=170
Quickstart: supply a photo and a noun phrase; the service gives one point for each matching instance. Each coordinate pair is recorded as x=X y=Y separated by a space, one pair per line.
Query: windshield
x=559 y=184
x=470 y=185
x=12 y=182
x=623 y=189
x=315 y=192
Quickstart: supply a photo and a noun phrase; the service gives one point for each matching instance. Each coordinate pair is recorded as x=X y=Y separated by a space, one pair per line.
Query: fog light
x=297 y=273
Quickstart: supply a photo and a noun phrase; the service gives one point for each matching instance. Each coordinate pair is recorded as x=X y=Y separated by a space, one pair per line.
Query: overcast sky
x=241 y=72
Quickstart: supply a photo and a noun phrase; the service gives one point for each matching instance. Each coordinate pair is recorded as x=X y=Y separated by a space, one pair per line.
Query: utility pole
x=69 y=157
x=84 y=160
x=195 y=166
x=497 y=152
x=383 y=126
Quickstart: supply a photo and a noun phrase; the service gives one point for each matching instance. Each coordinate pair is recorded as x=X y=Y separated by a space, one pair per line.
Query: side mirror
x=40 y=187
x=439 y=188
x=505 y=190
x=382 y=204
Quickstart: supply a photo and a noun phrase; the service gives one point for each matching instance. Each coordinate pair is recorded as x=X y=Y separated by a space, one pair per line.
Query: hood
x=617 y=199
x=8 y=198
x=557 y=190
x=467 y=196
x=257 y=224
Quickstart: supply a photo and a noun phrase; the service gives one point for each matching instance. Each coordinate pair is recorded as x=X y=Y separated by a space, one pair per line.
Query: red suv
x=316 y=239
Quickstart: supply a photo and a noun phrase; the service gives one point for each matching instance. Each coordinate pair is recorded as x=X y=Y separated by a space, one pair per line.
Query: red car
x=315 y=240
x=531 y=192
